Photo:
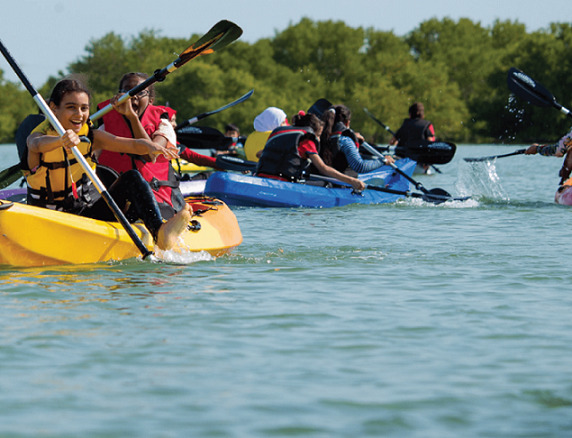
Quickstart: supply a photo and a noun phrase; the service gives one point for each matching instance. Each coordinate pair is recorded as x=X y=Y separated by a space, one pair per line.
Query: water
x=403 y=320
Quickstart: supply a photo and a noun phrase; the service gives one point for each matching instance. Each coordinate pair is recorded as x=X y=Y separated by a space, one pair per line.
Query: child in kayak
x=57 y=181
x=340 y=144
x=290 y=149
x=138 y=117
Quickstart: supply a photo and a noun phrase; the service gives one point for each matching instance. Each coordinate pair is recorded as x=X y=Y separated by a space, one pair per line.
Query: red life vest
x=160 y=175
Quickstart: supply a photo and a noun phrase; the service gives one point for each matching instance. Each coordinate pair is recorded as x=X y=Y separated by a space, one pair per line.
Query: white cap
x=269 y=119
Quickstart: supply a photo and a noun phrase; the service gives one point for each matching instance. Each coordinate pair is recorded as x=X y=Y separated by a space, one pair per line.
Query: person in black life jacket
x=291 y=149
x=57 y=181
x=340 y=144
x=138 y=117
x=414 y=128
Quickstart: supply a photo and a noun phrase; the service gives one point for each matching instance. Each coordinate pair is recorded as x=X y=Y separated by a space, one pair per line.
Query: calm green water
x=404 y=320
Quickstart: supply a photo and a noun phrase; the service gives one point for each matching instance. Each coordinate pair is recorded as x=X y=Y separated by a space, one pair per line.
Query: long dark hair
x=68 y=85
x=331 y=117
x=310 y=120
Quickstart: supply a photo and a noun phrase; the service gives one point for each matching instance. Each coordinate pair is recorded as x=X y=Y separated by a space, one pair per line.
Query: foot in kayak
x=172 y=229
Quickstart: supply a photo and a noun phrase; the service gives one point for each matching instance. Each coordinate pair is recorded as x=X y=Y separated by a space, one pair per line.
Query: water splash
x=480 y=178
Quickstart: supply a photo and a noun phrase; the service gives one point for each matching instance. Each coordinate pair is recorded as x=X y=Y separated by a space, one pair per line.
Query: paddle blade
x=220 y=35
x=203 y=137
x=229 y=162
x=10 y=175
x=428 y=152
x=319 y=107
x=527 y=88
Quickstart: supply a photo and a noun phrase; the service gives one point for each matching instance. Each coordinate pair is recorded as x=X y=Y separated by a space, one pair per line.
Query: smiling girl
x=57 y=181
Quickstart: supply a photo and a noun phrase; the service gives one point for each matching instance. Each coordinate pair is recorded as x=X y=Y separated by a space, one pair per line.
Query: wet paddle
x=195 y=119
x=77 y=154
x=527 y=88
x=435 y=198
x=220 y=35
x=493 y=157
x=436 y=193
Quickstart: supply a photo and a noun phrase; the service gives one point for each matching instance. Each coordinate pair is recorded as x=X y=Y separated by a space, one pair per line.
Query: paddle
x=435 y=198
x=422 y=151
x=527 y=88
x=437 y=193
x=195 y=119
x=203 y=137
x=10 y=175
x=230 y=162
x=77 y=154
x=220 y=35
x=319 y=107
x=492 y=157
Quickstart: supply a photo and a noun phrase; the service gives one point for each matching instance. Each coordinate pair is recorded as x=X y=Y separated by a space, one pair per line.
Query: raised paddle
x=220 y=35
x=433 y=197
x=195 y=119
x=527 y=88
x=437 y=193
x=493 y=157
x=77 y=154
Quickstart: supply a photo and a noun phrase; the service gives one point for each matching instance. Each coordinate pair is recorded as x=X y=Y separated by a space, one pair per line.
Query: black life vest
x=413 y=130
x=280 y=156
x=338 y=159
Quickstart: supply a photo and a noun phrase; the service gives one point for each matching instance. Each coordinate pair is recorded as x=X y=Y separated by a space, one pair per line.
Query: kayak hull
x=251 y=191
x=33 y=236
x=563 y=195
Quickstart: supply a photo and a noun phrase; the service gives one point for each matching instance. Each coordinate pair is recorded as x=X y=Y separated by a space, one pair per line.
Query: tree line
x=456 y=68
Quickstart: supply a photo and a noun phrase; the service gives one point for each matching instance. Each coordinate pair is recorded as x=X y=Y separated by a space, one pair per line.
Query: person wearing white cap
x=264 y=124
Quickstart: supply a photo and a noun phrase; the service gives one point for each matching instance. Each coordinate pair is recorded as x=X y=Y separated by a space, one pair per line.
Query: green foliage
x=456 y=68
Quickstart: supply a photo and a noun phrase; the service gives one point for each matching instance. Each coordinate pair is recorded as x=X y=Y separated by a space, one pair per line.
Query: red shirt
x=306 y=148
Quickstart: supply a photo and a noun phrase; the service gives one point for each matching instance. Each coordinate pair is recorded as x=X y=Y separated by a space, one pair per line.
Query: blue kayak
x=251 y=191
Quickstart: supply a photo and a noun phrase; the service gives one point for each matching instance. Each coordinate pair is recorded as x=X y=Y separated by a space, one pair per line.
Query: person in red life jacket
x=290 y=150
x=137 y=117
x=414 y=129
x=56 y=180
x=340 y=144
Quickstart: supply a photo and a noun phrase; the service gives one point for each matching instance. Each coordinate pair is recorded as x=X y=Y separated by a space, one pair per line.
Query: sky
x=45 y=36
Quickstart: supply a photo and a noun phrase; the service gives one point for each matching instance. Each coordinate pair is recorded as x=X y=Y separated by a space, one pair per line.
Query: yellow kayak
x=34 y=236
x=187 y=167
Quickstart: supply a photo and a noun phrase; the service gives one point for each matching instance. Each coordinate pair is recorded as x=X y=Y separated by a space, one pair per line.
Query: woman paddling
x=57 y=181
x=137 y=117
x=291 y=149
x=340 y=144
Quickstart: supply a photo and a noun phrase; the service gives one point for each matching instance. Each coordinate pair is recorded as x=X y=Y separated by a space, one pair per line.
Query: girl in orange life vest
x=139 y=118
x=340 y=144
x=307 y=148
x=58 y=181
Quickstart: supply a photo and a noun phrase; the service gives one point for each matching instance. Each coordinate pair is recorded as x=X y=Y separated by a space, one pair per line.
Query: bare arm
x=324 y=169
x=39 y=143
x=105 y=141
